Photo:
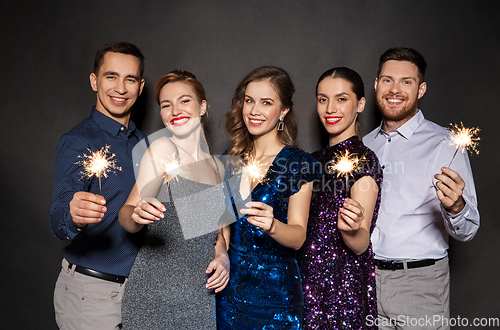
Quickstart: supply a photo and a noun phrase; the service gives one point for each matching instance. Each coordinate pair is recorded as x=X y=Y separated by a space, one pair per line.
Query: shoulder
x=431 y=131
x=162 y=147
x=372 y=134
x=296 y=154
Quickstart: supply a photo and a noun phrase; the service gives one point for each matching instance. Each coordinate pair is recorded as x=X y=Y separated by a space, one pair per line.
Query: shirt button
x=122 y=128
x=388 y=140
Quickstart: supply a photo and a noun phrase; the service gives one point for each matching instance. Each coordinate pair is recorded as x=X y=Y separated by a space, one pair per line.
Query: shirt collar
x=110 y=125
x=407 y=129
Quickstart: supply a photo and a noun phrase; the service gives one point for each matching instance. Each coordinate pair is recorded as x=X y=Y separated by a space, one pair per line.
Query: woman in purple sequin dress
x=336 y=261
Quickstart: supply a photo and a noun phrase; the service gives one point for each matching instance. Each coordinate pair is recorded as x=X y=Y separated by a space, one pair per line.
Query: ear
x=422 y=89
x=361 y=105
x=93 y=82
x=284 y=112
x=203 y=107
x=141 y=86
x=375 y=85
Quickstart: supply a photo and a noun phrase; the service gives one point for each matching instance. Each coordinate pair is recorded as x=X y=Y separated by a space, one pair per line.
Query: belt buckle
x=392 y=264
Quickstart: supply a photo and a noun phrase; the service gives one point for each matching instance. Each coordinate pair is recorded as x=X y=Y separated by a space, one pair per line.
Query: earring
x=281 y=124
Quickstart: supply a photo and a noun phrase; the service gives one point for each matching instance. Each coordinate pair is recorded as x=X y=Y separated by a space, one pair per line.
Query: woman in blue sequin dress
x=270 y=210
x=336 y=261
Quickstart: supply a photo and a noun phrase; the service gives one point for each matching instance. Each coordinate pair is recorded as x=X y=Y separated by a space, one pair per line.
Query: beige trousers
x=83 y=302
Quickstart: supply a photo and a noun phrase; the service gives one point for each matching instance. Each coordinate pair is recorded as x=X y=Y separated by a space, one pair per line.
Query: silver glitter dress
x=166 y=286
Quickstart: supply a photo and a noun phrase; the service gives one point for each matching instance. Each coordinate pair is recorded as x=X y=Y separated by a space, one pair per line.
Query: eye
x=322 y=99
x=131 y=80
x=407 y=82
x=248 y=100
x=111 y=77
x=185 y=101
x=267 y=103
x=386 y=80
x=165 y=106
x=341 y=99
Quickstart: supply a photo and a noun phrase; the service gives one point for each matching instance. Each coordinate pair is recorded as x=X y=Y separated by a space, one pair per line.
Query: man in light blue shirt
x=425 y=199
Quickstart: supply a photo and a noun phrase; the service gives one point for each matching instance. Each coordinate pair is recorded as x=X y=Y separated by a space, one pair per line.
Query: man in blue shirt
x=85 y=211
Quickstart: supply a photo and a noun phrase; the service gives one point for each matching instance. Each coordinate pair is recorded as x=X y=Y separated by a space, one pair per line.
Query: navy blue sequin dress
x=264 y=291
x=339 y=286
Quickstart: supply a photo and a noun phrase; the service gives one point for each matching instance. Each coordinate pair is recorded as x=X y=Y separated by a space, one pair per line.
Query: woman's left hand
x=259 y=214
x=351 y=215
x=220 y=268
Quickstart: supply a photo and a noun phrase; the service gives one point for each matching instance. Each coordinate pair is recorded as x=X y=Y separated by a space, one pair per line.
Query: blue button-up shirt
x=102 y=246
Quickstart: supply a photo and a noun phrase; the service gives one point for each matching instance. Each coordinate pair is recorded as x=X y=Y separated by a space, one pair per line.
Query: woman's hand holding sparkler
x=148 y=210
x=450 y=189
x=86 y=208
x=351 y=215
x=261 y=215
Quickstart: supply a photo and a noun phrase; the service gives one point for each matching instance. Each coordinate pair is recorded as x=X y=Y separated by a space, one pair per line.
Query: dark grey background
x=47 y=55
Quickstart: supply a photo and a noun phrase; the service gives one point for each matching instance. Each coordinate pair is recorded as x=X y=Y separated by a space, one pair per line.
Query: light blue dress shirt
x=412 y=222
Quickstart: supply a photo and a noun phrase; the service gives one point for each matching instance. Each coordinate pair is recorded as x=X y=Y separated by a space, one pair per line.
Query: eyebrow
x=113 y=73
x=336 y=95
x=180 y=97
x=403 y=78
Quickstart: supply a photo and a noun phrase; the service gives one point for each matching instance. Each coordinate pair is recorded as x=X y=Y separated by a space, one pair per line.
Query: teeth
x=180 y=121
x=332 y=120
x=394 y=100
x=118 y=99
x=256 y=121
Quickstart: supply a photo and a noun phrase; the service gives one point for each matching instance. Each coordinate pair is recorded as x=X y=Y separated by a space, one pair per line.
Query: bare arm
x=292 y=234
x=355 y=217
x=141 y=208
x=219 y=266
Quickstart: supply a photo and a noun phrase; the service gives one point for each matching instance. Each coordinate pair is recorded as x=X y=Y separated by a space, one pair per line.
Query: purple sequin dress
x=339 y=286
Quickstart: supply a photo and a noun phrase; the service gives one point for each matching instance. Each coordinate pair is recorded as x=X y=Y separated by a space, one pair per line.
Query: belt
x=394 y=265
x=96 y=274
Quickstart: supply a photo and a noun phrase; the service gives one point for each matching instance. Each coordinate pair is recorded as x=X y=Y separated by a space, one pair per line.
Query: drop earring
x=281 y=124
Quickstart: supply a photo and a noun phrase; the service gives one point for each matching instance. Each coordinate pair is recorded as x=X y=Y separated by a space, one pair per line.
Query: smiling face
x=398 y=90
x=262 y=108
x=338 y=108
x=180 y=109
x=117 y=84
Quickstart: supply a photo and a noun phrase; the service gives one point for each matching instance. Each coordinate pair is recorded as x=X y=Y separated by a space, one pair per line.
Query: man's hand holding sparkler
x=148 y=210
x=450 y=189
x=86 y=208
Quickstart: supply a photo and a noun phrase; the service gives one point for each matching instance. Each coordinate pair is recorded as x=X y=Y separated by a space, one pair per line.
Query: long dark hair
x=357 y=86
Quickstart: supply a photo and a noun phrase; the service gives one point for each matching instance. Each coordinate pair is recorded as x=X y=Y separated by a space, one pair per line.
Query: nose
x=121 y=87
x=253 y=110
x=395 y=88
x=330 y=107
x=176 y=110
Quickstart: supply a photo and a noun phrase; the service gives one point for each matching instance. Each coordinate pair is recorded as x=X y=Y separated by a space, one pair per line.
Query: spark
x=172 y=168
x=98 y=163
x=344 y=165
x=465 y=138
x=254 y=169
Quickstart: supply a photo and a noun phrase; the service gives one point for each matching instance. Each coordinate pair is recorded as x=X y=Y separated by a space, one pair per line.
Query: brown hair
x=404 y=54
x=187 y=78
x=241 y=140
x=120 y=47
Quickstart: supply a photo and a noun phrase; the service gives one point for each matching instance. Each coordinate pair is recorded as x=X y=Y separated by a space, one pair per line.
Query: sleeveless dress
x=339 y=286
x=264 y=290
x=166 y=286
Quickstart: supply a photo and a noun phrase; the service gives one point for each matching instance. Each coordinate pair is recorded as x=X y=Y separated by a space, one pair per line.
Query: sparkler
x=464 y=137
x=254 y=170
x=172 y=168
x=344 y=165
x=98 y=163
